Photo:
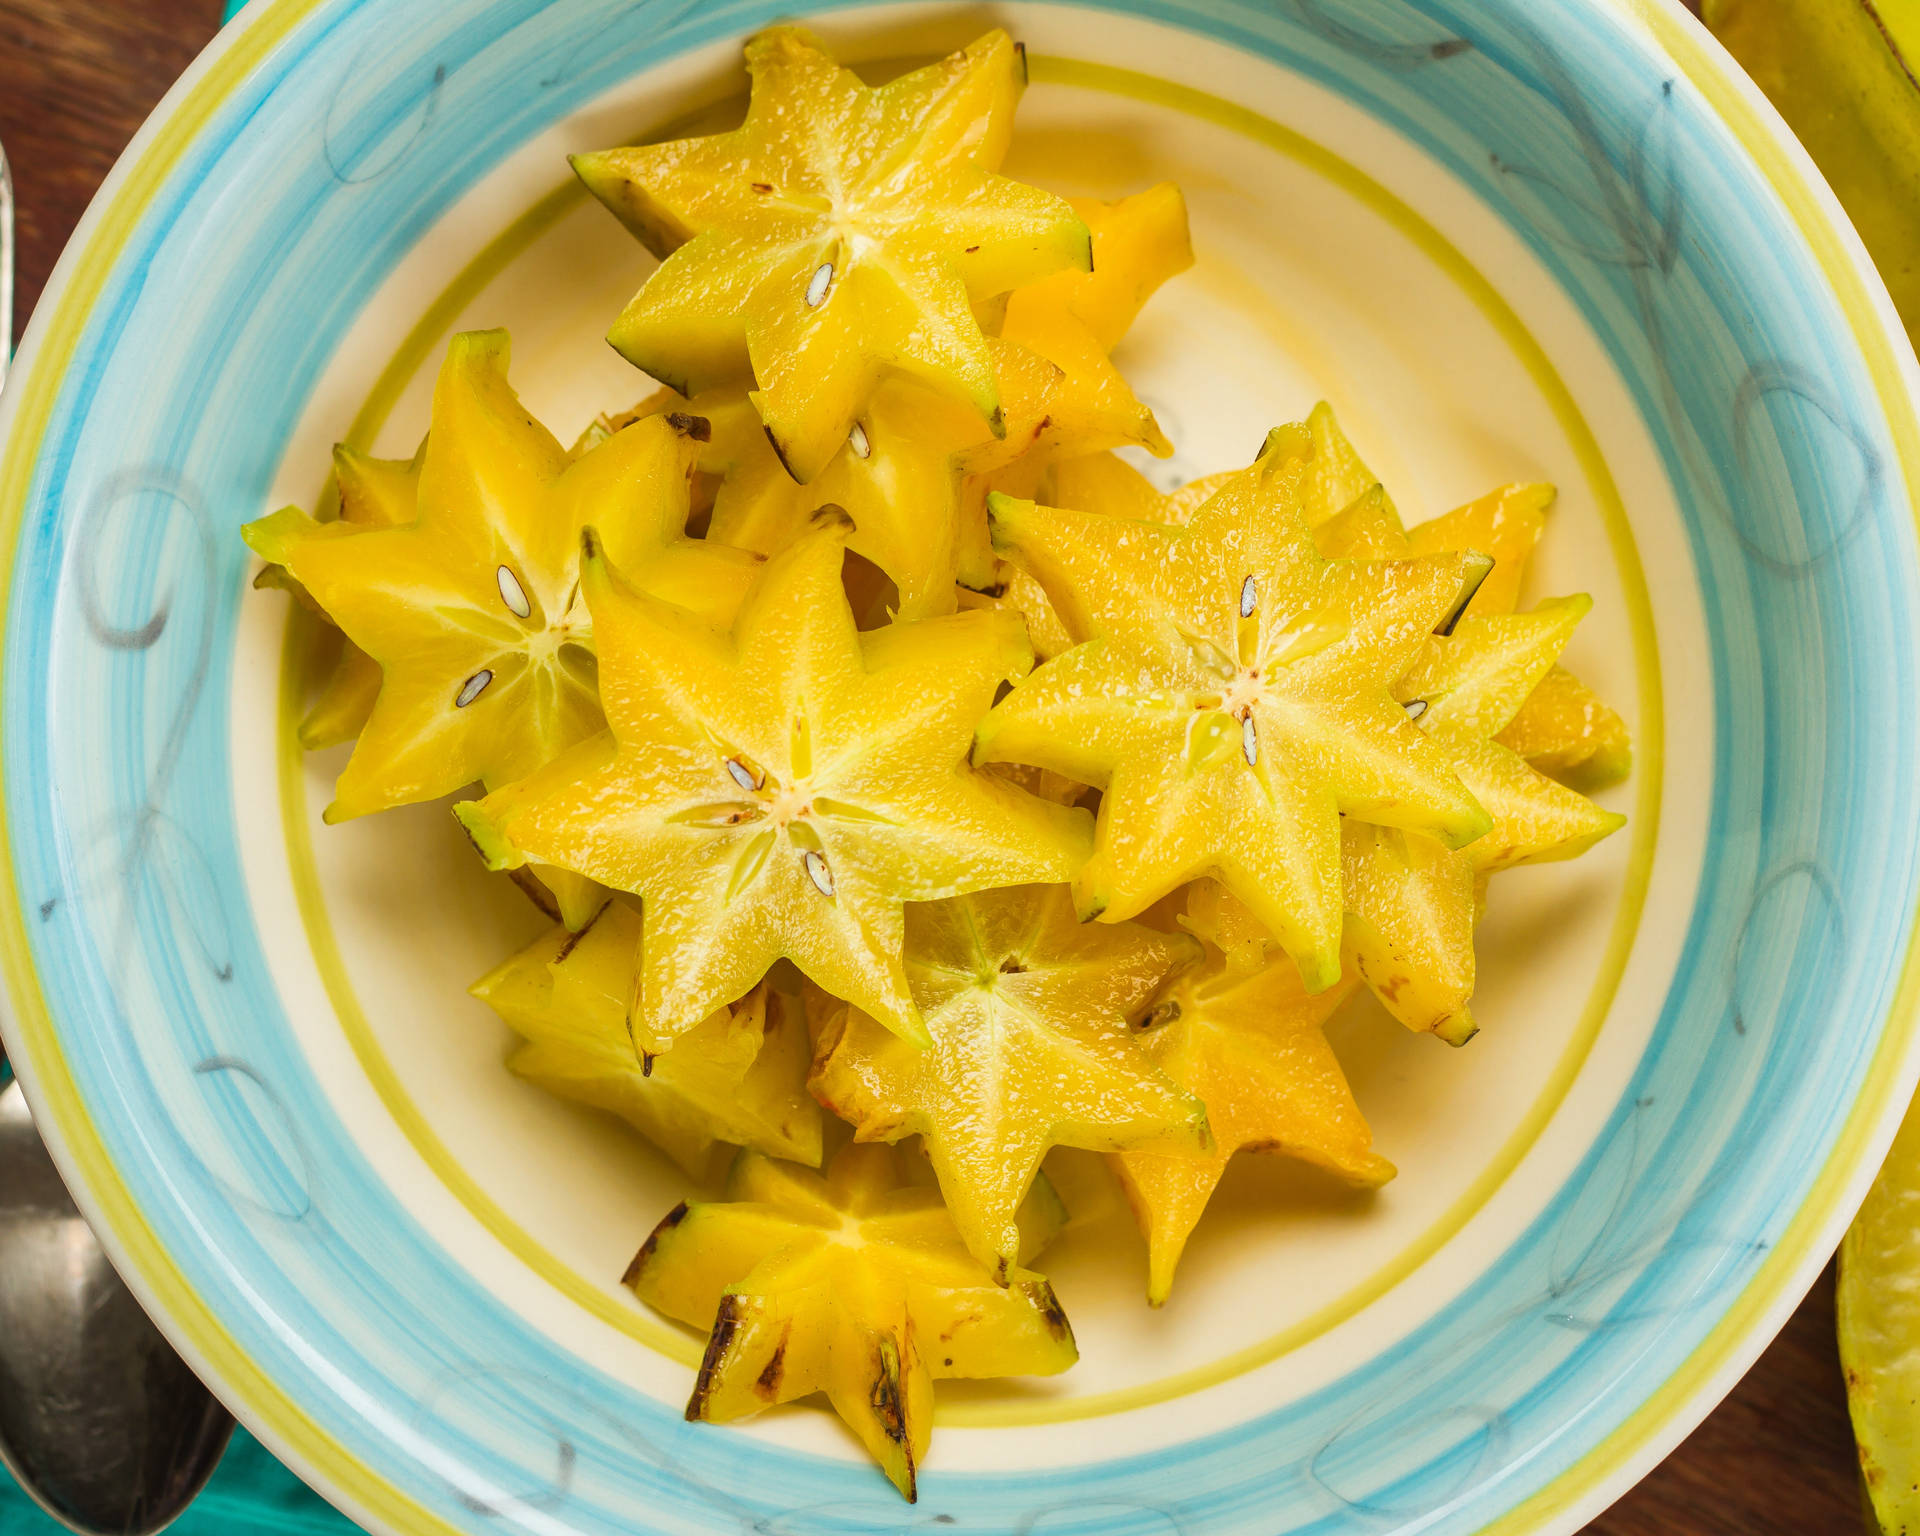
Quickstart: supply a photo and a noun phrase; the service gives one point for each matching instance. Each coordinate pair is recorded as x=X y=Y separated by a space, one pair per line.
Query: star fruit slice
x=855 y=1285
x=1028 y=1010
x=1563 y=729
x=917 y=466
x=841 y=232
x=472 y=610
x=780 y=789
x=1233 y=700
x=738 y=1076
x=1249 y=1041
x=1412 y=903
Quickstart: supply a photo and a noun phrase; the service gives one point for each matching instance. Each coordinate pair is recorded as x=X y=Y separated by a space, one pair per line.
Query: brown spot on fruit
x=1051 y=1312
x=763 y=186
x=767 y=1383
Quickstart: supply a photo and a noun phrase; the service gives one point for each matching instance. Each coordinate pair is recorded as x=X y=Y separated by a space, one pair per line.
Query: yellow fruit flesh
x=841 y=232
x=373 y=493
x=781 y=789
x=918 y=465
x=1232 y=702
x=1412 y=904
x=472 y=610
x=898 y=477
x=854 y=1285
x=738 y=1076
x=1568 y=733
x=1250 y=1044
x=1028 y=1011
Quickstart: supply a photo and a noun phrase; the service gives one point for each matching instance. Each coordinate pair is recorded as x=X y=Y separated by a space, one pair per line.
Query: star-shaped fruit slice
x=1412 y=902
x=781 y=788
x=1234 y=700
x=856 y=1285
x=1249 y=1041
x=473 y=610
x=738 y=1076
x=1028 y=1010
x=841 y=232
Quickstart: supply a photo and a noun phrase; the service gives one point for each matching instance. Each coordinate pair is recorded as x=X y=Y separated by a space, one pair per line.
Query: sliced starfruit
x=1233 y=701
x=1028 y=1010
x=1139 y=243
x=738 y=1076
x=780 y=789
x=1567 y=732
x=472 y=610
x=856 y=1285
x=839 y=233
x=1098 y=482
x=898 y=477
x=1249 y=1041
x=1073 y=320
x=373 y=493
x=1412 y=903
x=1563 y=729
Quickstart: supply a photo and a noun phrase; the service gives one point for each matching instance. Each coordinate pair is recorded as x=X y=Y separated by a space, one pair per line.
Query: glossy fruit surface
x=738 y=1076
x=781 y=788
x=472 y=610
x=855 y=1285
x=1232 y=698
x=1247 y=1039
x=1029 y=1013
x=842 y=231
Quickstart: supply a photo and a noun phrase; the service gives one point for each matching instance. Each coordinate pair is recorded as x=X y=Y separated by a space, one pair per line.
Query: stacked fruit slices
x=879 y=740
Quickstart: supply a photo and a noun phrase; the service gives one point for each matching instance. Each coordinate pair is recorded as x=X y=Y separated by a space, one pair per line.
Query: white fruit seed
x=818 y=872
x=512 y=593
x=472 y=688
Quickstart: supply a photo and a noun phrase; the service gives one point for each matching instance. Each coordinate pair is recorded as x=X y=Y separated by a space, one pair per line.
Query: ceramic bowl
x=1508 y=242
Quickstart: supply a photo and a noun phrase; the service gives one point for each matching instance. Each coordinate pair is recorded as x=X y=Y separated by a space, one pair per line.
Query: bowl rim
x=1578 y=1493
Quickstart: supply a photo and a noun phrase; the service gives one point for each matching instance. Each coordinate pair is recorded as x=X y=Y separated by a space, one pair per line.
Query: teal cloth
x=250 y=1493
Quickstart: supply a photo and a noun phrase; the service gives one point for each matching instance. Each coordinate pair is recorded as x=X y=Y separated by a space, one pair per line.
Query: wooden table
x=77 y=77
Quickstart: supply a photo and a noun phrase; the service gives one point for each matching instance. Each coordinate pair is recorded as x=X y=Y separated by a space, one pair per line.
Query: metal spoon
x=100 y=1421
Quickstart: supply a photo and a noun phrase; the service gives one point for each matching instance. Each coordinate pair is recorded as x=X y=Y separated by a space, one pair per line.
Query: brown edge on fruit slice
x=530 y=887
x=726 y=1323
x=667 y=1223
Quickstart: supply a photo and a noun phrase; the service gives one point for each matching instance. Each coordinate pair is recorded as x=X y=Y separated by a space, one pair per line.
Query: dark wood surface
x=77 y=77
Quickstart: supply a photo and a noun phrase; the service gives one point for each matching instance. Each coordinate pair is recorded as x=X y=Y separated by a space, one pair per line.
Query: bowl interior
x=1503 y=251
